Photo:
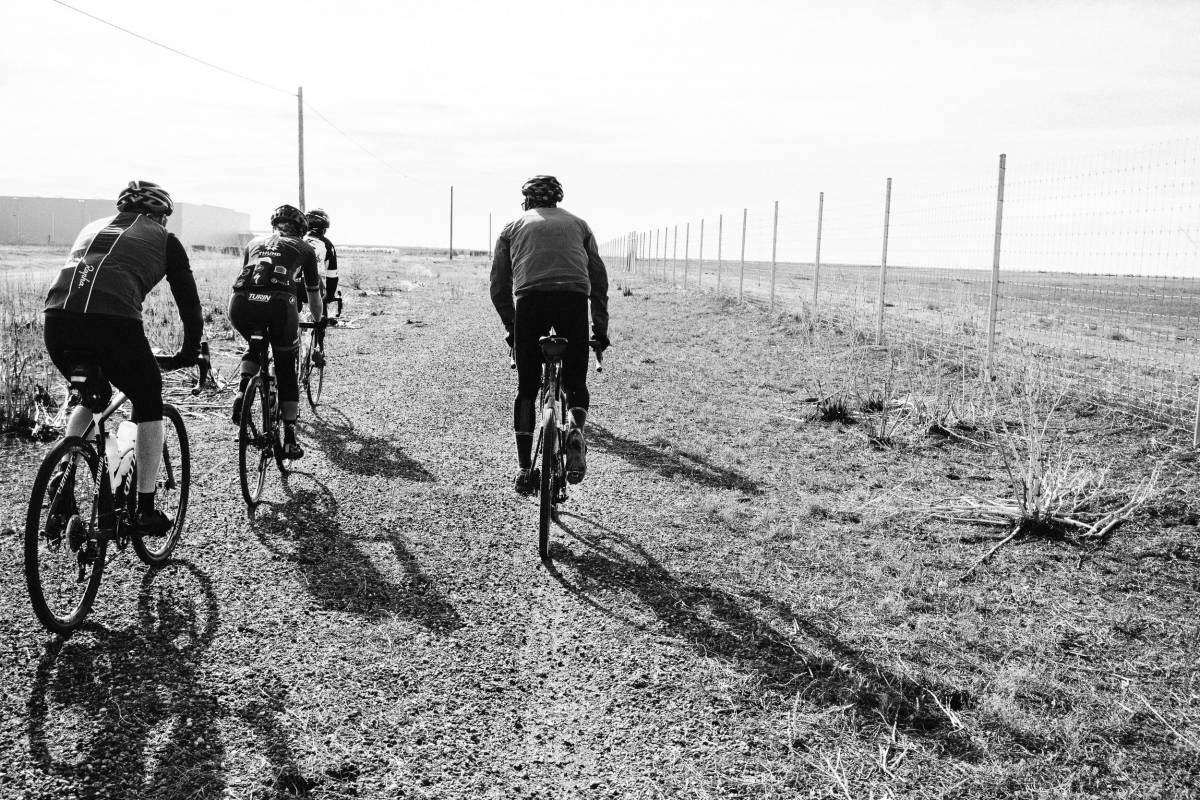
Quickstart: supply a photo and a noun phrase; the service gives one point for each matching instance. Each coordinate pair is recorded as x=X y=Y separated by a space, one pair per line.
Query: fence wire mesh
x=1099 y=261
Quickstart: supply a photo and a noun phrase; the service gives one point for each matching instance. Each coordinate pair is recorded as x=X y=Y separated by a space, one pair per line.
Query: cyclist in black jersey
x=95 y=307
x=264 y=299
x=547 y=259
x=318 y=224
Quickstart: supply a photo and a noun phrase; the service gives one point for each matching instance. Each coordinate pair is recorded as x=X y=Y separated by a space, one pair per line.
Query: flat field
x=743 y=600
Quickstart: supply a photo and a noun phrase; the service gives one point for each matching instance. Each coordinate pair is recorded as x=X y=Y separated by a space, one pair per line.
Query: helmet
x=289 y=215
x=545 y=188
x=145 y=197
x=317 y=219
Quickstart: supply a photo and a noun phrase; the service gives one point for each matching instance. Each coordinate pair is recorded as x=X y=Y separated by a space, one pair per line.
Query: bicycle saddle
x=86 y=377
x=553 y=347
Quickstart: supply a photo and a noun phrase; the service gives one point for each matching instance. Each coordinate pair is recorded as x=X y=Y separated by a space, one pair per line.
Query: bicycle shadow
x=363 y=454
x=809 y=660
x=99 y=704
x=337 y=573
x=670 y=463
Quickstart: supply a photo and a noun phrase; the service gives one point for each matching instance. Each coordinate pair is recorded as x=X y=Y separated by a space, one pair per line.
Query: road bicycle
x=551 y=478
x=85 y=497
x=260 y=425
x=312 y=360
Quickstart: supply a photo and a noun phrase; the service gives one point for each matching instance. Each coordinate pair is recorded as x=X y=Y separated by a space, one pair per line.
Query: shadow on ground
x=336 y=571
x=815 y=665
x=132 y=712
x=361 y=454
x=670 y=463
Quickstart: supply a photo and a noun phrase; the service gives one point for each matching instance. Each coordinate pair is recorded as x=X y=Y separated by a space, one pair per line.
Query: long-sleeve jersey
x=114 y=264
x=548 y=250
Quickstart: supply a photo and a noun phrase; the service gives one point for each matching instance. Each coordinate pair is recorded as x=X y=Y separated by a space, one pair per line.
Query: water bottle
x=126 y=442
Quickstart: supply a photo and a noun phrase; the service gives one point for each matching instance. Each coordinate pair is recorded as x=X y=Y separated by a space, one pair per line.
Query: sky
x=649 y=113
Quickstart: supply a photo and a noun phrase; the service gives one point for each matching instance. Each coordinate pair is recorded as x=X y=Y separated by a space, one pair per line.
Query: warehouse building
x=56 y=221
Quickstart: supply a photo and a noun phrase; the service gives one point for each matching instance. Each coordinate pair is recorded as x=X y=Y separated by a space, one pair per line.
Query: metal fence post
x=774 y=241
x=742 y=270
x=687 y=243
x=994 y=300
x=674 y=254
x=720 y=235
x=887 y=215
x=817 y=263
x=700 y=268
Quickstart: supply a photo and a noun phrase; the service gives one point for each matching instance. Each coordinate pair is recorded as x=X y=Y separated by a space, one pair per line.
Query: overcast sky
x=647 y=111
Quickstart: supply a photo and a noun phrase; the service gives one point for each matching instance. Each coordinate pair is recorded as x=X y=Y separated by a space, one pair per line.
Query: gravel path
x=383 y=627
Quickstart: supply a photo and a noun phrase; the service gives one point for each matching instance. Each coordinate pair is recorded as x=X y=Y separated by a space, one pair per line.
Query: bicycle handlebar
x=204 y=363
x=595 y=345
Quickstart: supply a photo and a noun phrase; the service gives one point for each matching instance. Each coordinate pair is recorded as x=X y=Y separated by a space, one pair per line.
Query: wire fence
x=1088 y=268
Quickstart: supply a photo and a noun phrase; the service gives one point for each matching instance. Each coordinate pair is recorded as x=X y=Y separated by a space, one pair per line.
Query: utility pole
x=451 y=223
x=489 y=234
x=300 y=115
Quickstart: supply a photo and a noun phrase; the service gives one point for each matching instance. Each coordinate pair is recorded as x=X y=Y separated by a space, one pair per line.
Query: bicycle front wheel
x=64 y=550
x=255 y=447
x=171 y=488
x=547 y=489
x=315 y=380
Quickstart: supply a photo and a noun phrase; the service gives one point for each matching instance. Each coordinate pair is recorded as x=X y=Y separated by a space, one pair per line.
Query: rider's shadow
x=126 y=713
x=671 y=462
x=740 y=631
x=362 y=454
x=337 y=573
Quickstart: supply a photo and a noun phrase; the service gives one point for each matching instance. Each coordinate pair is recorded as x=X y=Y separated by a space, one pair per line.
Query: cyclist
x=318 y=224
x=547 y=259
x=264 y=300
x=95 y=306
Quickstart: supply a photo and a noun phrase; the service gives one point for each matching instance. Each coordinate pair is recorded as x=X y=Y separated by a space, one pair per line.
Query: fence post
x=742 y=270
x=994 y=300
x=700 y=268
x=674 y=254
x=887 y=215
x=817 y=263
x=687 y=243
x=720 y=235
x=774 y=241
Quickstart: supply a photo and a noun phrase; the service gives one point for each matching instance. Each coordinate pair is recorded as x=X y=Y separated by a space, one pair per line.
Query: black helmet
x=290 y=216
x=317 y=219
x=146 y=198
x=543 y=188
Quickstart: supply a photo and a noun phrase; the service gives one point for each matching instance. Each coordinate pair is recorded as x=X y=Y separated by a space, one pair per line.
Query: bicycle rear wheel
x=64 y=553
x=254 y=442
x=171 y=487
x=547 y=488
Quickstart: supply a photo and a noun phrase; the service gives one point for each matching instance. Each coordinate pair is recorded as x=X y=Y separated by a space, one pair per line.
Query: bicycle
x=312 y=361
x=260 y=424
x=85 y=497
x=551 y=479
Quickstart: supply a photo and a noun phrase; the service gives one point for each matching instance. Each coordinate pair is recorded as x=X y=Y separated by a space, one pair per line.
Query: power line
x=173 y=50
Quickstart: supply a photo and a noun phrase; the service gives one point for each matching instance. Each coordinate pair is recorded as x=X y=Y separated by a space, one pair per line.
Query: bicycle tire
x=314 y=396
x=252 y=457
x=172 y=487
x=546 y=490
x=42 y=582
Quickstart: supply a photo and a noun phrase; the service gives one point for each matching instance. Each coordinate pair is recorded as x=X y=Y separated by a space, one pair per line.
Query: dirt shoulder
x=721 y=618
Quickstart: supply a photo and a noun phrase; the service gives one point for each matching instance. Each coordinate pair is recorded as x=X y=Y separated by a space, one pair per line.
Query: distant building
x=56 y=221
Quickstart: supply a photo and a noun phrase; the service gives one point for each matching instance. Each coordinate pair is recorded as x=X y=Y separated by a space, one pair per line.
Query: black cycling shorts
x=119 y=346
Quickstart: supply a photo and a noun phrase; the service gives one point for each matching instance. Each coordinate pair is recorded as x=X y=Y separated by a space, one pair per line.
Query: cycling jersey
x=278 y=263
x=548 y=250
x=326 y=254
x=114 y=264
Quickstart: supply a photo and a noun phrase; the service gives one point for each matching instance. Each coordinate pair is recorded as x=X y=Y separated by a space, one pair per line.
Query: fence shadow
x=735 y=629
x=681 y=463
x=337 y=573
